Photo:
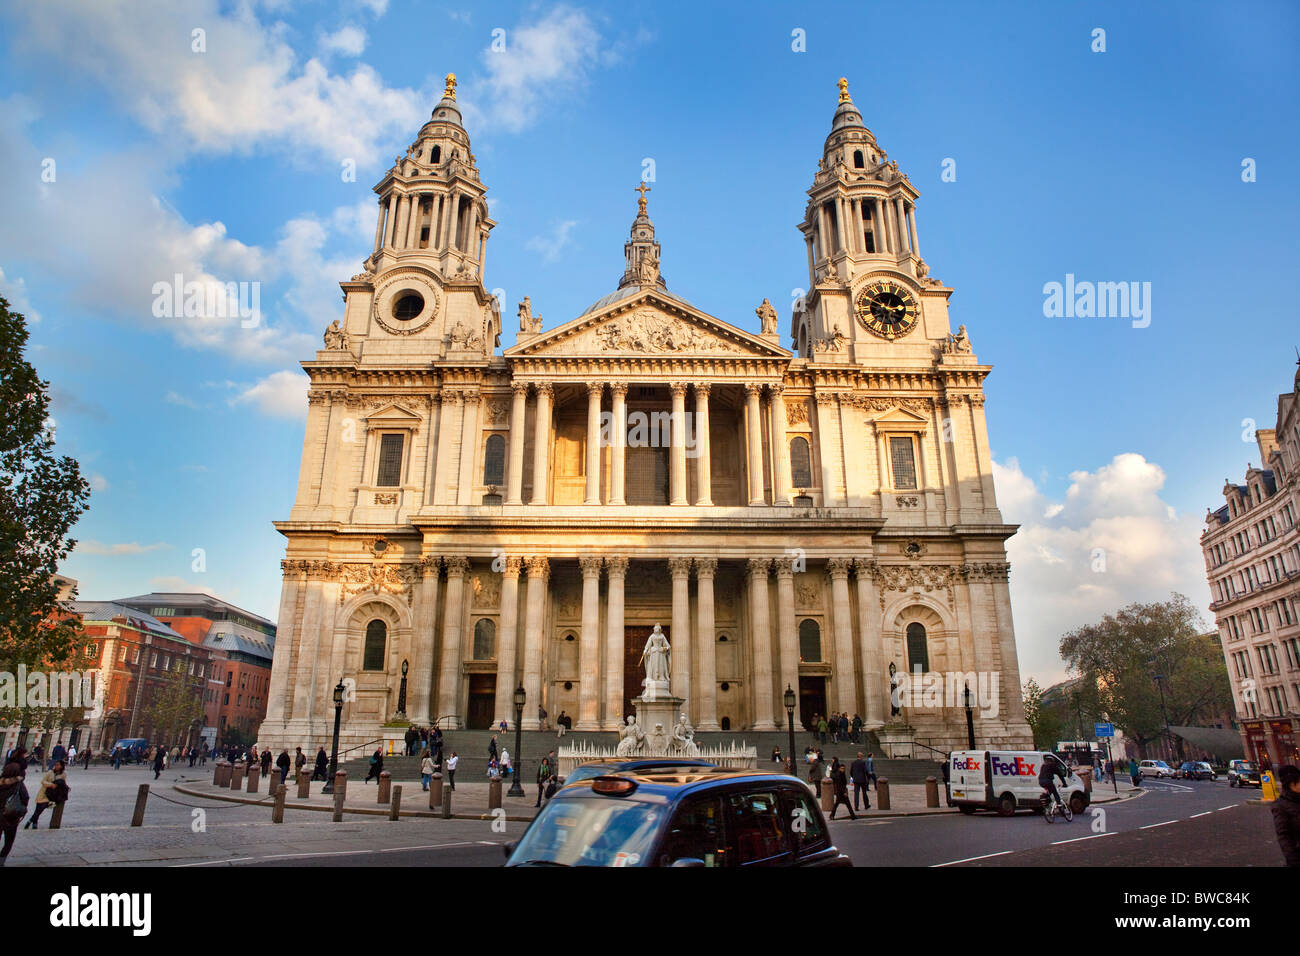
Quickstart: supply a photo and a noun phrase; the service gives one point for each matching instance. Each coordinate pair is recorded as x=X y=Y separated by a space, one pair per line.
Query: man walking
x=159 y=761
x=871 y=771
x=1286 y=813
x=858 y=774
x=840 y=783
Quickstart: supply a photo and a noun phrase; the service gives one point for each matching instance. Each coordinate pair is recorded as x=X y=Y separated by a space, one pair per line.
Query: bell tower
x=641 y=249
x=859 y=228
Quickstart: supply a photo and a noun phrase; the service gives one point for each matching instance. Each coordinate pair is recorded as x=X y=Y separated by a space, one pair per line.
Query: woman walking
x=376 y=765
x=53 y=789
x=13 y=799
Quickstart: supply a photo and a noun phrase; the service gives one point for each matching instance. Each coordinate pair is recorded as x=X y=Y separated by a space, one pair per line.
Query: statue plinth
x=662 y=710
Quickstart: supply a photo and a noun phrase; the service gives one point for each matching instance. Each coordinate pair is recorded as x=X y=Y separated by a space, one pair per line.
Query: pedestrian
x=821 y=730
x=776 y=755
x=844 y=728
x=492 y=748
x=561 y=724
x=117 y=758
x=283 y=762
x=322 y=765
x=543 y=777
x=871 y=772
x=816 y=772
x=541 y=717
x=435 y=744
x=266 y=761
x=452 y=761
x=194 y=755
x=857 y=729
x=1286 y=813
x=841 y=785
x=858 y=774
x=85 y=758
x=13 y=799
x=376 y=765
x=299 y=761
x=159 y=761
x=53 y=789
x=505 y=762
x=426 y=770
x=502 y=727
x=1135 y=773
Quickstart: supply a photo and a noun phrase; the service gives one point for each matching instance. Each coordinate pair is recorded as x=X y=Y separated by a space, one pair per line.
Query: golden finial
x=642 y=189
x=844 y=90
x=450 y=92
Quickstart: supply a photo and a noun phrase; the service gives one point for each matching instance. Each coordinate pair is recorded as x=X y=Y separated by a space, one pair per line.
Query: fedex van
x=1006 y=781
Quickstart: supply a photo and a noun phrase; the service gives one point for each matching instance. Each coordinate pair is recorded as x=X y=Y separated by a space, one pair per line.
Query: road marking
x=1205 y=814
x=1152 y=826
x=235 y=859
x=1091 y=837
x=1228 y=807
x=970 y=858
x=430 y=846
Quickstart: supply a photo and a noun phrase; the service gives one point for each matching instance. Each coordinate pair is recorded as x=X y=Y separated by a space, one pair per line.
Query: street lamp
x=789 y=699
x=1169 y=737
x=516 y=788
x=970 y=719
x=334 y=753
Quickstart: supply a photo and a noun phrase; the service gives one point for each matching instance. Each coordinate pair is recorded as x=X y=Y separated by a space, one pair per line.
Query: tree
x=1044 y=721
x=174 y=705
x=41 y=498
x=1122 y=655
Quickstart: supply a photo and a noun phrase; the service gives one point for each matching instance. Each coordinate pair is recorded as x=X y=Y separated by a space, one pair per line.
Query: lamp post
x=334 y=753
x=970 y=719
x=1169 y=737
x=516 y=788
x=789 y=700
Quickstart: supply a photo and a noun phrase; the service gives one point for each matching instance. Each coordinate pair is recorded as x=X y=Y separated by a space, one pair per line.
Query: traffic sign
x=1104 y=730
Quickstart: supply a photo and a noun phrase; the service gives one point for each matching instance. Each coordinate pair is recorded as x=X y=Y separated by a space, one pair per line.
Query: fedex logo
x=1019 y=767
x=965 y=763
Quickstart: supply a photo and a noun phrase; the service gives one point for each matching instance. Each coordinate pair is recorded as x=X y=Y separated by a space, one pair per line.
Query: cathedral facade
x=819 y=518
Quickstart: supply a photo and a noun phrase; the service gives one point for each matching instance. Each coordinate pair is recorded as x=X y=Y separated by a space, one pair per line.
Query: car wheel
x=1006 y=805
x=1077 y=804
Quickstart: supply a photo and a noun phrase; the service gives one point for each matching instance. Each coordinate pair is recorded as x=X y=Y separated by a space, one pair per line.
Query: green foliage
x=1044 y=719
x=1119 y=658
x=41 y=498
x=174 y=706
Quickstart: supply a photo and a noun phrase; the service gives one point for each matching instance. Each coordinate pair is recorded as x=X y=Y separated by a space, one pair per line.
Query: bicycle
x=1053 y=809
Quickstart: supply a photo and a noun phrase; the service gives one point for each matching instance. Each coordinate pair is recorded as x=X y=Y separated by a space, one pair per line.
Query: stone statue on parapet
x=527 y=321
x=766 y=317
x=656 y=656
x=335 y=337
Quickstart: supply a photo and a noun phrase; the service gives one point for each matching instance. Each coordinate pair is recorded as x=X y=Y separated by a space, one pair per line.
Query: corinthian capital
x=456 y=564
x=758 y=567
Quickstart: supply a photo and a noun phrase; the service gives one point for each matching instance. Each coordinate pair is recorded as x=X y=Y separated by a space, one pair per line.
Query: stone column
x=539 y=570
x=618 y=443
x=444 y=488
x=846 y=687
x=413 y=224
x=706 y=680
x=379 y=228
x=879 y=228
x=305 y=680
x=449 y=221
x=787 y=640
x=900 y=224
x=761 y=643
x=680 y=674
x=589 y=647
x=390 y=232
x=594 y=392
x=281 y=661
x=507 y=639
x=426 y=608
x=616 y=568
x=873 y=652
x=754 y=443
x=470 y=436
x=780 y=447
x=703 y=463
x=911 y=227
x=452 y=655
x=515 y=467
x=403 y=220
x=677 y=462
x=541 y=442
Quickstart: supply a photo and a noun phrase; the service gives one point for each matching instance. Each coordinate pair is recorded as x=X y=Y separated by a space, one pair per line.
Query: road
x=1178 y=823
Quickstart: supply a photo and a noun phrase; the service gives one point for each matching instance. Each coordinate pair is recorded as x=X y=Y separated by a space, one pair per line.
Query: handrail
x=438 y=723
x=377 y=740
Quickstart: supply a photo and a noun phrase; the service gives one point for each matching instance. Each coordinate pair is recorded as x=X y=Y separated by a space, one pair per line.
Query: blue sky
x=1122 y=165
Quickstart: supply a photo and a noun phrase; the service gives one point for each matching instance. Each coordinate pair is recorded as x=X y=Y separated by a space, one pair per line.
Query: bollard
x=56 y=817
x=236 y=776
x=931 y=792
x=226 y=768
x=396 y=808
x=1085 y=774
x=304 y=785
x=828 y=796
x=340 y=793
x=277 y=809
x=216 y=773
x=276 y=781
x=882 y=793
x=446 y=803
x=141 y=800
x=435 y=792
x=385 y=786
x=494 y=794
x=253 y=773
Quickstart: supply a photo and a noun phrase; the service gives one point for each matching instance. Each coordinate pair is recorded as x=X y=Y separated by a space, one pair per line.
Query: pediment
x=392 y=415
x=648 y=324
x=899 y=415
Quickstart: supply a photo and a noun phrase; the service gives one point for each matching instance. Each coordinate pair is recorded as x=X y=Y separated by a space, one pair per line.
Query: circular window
x=725 y=686
x=408 y=306
x=568 y=685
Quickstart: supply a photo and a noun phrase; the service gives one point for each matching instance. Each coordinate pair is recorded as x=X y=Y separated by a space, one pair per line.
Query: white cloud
x=15 y=290
x=280 y=395
x=348 y=41
x=1112 y=541
x=247 y=89
x=550 y=247
x=180 y=585
x=174 y=398
x=127 y=547
x=97 y=482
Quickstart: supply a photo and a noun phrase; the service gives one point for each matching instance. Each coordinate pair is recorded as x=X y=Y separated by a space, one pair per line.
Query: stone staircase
x=472 y=748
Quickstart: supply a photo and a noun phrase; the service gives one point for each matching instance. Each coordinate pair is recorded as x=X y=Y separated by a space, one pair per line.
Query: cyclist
x=1051 y=769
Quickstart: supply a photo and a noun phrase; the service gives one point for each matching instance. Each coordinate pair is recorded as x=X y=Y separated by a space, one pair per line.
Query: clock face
x=886 y=309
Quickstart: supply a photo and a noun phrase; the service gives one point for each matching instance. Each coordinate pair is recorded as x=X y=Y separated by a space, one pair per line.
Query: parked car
x=1242 y=773
x=1155 y=768
x=711 y=817
x=607 y=765
x=1195 y=770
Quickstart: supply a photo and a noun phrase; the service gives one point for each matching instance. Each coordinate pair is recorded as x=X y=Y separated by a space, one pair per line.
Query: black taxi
x=675 y=818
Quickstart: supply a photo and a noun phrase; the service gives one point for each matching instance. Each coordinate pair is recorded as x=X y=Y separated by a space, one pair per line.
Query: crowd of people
x=837 y=728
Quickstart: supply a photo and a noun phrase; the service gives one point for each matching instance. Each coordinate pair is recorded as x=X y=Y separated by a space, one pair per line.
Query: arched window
x=372 y=659
x=918 y=650
x=857 y=160
x=494 y=460
x=800 y=463
x=485 y=640
x=810 y=641
x=437 y=155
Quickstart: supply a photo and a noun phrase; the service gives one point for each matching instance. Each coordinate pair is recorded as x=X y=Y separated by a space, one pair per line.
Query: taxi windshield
x=591 y=831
